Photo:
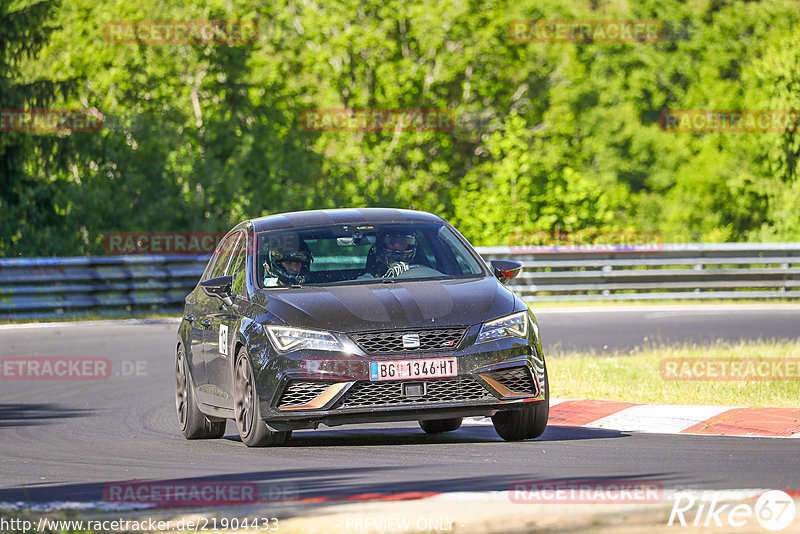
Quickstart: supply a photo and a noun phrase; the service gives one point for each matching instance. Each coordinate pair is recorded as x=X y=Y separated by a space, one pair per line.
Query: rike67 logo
x=774 y=510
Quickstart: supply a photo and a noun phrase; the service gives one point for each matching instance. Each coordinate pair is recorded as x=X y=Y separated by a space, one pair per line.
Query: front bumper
x=304 y=389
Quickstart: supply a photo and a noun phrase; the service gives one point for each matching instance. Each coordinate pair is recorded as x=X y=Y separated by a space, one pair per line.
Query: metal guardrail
x=120 y=285
x=105 y=286
x=670 y=271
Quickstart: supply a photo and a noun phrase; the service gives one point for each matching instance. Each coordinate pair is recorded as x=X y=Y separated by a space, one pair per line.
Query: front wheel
x=437 y=426
x=192 y=422
x=528 y=423
x=252 y=429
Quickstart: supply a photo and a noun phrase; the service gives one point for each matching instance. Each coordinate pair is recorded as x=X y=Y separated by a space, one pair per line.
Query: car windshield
x=363 y=253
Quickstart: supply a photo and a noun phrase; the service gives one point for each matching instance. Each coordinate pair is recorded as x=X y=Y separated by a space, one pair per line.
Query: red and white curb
x=672 y=419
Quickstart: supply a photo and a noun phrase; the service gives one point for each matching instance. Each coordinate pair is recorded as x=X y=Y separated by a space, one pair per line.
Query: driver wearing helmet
x=288 y=265
x=393 y=253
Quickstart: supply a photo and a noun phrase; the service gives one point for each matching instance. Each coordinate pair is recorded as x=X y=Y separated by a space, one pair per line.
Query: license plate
x=408 y=369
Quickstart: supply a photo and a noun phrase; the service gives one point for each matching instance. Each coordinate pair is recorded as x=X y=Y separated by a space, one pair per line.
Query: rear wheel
x=528 y=423
x=193 y=423
x=437 y=426
x=252 y=429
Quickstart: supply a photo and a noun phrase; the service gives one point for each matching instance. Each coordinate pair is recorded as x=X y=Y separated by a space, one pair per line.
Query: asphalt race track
x=65 y=440
x=629 y=327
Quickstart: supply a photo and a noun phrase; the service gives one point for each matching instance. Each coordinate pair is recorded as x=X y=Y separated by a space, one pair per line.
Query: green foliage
x=547 y=136
x=32 y=168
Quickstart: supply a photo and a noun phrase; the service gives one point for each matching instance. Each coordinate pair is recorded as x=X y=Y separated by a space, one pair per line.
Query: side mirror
x=505 y=270
x=219 y=287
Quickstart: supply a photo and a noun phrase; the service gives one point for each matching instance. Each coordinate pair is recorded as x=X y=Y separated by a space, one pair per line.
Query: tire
x=528 y=423
x=437 y=426
x=252 y=429
x=192 y=422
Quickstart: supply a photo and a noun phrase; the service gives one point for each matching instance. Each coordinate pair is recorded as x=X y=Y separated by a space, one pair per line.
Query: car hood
x=358 y=308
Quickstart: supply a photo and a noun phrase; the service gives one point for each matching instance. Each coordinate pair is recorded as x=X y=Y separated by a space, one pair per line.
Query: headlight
x=514 y=325
x=288 y=339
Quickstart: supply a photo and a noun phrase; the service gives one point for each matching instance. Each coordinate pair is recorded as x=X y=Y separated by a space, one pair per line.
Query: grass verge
x=637 y=377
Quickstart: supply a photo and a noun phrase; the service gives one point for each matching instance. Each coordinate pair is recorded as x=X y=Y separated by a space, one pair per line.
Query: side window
x=237 y=266
x=222 y=256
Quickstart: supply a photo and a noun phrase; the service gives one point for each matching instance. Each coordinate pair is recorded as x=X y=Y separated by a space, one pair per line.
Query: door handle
x=207 y=323
x=189 y=318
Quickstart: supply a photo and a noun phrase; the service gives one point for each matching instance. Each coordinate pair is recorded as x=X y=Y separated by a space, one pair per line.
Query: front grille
x=517 y=379
x=432 y=340
x=372 y=394
x=300 y=392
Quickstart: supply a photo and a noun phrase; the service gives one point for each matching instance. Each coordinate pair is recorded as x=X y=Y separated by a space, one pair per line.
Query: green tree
x=31 y=192
x=547 y=135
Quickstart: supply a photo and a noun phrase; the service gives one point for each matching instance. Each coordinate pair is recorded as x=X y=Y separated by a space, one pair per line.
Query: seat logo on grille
x=410 y=341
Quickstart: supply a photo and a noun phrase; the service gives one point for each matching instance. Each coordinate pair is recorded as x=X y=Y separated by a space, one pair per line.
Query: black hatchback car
x=356 y=316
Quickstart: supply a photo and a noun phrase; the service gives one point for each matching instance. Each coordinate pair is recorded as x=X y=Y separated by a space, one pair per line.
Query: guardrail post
x=785 y=267
x=698 y=267
x=607 y=269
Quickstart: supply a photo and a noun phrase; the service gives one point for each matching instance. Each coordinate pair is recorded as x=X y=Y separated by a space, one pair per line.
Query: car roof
x=300 y=219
